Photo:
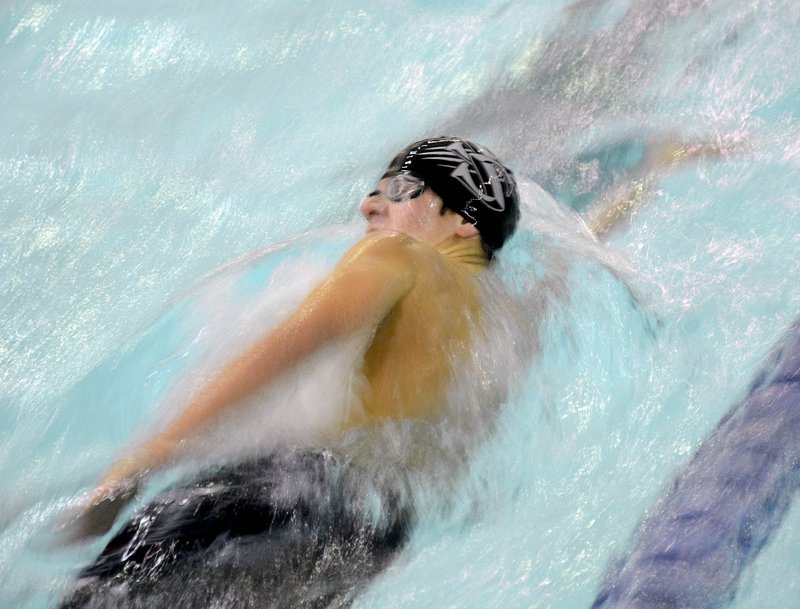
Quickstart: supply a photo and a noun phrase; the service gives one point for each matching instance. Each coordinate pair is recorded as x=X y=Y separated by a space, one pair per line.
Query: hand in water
x=98 y=515
x=116 y=490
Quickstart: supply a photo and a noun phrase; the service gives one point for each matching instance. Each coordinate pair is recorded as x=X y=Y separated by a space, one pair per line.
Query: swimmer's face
x=420 y=217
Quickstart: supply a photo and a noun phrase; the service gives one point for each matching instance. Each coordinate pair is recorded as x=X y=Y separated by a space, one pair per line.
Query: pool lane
x=723 y=507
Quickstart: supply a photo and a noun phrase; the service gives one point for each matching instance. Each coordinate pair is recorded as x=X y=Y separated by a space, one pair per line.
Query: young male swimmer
x=438 y=214
x=441 y=209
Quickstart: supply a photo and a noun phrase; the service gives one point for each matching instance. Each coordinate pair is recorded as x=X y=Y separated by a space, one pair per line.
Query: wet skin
x=411 y=283
x=409 y=362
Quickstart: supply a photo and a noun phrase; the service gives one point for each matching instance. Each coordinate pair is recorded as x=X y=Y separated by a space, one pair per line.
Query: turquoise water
x=144 y=146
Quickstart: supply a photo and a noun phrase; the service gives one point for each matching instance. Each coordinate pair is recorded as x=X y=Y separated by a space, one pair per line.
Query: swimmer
x=434 y=221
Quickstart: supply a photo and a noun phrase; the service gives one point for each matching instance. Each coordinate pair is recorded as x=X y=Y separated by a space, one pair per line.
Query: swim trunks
x=296 y=529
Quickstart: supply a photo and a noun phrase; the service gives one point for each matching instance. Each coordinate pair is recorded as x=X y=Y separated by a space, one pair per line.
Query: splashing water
x=145 y=146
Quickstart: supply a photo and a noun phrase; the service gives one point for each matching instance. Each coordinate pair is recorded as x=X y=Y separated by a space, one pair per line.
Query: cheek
x=425 y=211
x=417 y=219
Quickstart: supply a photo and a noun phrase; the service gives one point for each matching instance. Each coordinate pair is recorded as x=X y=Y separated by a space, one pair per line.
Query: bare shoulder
x=385 y=247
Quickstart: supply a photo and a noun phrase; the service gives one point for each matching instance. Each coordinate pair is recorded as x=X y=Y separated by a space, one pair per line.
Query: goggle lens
x=404 y=187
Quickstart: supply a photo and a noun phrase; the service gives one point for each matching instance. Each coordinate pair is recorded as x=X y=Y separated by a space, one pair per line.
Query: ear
x=466 y=229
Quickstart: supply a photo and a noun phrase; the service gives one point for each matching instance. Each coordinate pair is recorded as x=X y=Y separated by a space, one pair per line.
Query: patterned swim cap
x=470 y=180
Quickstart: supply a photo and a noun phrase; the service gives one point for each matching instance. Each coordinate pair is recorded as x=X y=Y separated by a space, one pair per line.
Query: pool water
x=143 y=147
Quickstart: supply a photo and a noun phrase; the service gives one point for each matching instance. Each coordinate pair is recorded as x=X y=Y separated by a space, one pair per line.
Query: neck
x=467 y=252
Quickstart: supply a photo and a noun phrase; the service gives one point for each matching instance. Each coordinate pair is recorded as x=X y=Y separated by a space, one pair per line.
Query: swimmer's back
x=409 y=363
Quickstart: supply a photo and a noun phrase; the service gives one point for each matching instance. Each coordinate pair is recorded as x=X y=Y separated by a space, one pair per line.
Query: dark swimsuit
x=295 y=529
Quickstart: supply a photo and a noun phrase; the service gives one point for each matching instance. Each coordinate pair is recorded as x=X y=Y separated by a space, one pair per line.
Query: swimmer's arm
x=371 y=279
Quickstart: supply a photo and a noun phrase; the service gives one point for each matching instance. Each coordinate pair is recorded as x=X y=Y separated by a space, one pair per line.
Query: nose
x=371 y=207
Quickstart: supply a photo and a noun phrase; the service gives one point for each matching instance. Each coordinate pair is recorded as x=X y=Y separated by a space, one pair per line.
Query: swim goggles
x=403 y=187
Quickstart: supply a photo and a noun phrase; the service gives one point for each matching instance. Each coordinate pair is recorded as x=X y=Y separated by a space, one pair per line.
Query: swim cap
x=470 y=180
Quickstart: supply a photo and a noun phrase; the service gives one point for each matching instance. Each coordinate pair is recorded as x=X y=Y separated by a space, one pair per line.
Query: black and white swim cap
x=470 y=180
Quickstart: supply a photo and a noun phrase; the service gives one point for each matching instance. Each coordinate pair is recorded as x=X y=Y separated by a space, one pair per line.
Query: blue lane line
x=722 y=508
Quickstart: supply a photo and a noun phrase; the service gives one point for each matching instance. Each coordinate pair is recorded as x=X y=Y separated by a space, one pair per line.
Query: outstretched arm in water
x=364 y=287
